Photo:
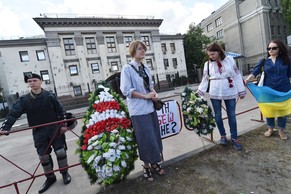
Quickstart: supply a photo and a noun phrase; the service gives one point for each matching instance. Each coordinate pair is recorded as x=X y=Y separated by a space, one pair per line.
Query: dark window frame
x=70 y=69
x=91 y=45
x=23 y=55
x=111 y=44
x=69 y=46
x=128 y=40
x=76 y=93
x=38 y=52
x=95 y=70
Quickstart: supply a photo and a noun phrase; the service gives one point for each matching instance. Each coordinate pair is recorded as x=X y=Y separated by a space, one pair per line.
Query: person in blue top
x=277 y=73
x=136 y=84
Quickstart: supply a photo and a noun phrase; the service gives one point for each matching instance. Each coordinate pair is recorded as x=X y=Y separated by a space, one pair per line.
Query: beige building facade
x=246 y=27
x=78 y=52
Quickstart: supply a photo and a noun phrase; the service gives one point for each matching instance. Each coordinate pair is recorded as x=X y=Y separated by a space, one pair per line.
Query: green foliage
x=194 y=45
x=107 y=146
x=197 y=114
x=286 y=12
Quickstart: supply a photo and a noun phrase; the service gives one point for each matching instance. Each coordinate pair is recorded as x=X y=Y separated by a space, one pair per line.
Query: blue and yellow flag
x=271 y=102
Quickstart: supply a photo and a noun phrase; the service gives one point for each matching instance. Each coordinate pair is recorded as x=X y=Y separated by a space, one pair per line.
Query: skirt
x=148 y=137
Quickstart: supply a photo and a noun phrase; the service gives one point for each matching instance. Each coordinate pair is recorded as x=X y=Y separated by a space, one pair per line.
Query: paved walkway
x=176 y=148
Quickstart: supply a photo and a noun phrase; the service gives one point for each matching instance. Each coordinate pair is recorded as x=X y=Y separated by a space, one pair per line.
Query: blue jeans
x=230 y=110
x=281 y=122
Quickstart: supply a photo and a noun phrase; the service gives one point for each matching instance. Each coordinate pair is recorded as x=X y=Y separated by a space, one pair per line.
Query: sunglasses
x=273 y=48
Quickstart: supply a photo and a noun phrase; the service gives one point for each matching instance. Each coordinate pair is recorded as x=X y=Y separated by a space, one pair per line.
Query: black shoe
x=66 y=178
x=49 y=182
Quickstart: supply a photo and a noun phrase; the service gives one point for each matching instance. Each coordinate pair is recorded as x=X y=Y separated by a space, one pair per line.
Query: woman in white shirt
x=139 y=97
x=226 y=84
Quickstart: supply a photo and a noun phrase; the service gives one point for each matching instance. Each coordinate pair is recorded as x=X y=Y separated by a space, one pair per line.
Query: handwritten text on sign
x=169 y=119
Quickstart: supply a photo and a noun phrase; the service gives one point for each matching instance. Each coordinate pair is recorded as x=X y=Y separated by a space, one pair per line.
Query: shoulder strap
x=263 y=63
x=144 y=82
x=208 y=68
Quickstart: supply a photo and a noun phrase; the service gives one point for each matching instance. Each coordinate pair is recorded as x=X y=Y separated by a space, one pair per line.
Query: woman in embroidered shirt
x=226 y=84
x=277 y=72
x=144 y=118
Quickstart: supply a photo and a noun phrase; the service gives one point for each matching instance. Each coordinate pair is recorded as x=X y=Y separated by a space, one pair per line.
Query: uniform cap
x=30 y=76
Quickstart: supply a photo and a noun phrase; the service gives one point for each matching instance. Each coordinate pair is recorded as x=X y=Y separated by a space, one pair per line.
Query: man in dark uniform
x=42 y=107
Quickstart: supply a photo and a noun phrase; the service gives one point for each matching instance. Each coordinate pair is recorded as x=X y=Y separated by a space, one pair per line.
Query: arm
x=256 y=71
x=15 y=112
x=125 y=82
x=59 y=108
x=204 y=82
x=238 y=81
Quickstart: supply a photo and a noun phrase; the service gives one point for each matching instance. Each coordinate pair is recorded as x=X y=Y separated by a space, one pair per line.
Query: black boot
x=49 y=182
x=66 y=178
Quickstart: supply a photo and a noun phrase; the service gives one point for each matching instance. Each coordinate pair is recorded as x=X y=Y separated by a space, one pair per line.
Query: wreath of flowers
x=107 y=142
x=196 y=113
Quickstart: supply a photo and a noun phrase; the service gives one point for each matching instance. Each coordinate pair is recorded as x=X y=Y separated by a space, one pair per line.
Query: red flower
x=109 y=105
x=84 y=147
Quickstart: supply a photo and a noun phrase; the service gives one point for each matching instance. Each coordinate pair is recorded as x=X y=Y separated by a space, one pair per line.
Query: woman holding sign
x=136 y=85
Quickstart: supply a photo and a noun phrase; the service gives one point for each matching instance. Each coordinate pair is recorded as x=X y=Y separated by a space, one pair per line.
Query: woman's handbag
x=261 y=82
x=158 y=104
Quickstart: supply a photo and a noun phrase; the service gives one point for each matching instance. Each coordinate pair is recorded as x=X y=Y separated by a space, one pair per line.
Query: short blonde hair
x=133 y=47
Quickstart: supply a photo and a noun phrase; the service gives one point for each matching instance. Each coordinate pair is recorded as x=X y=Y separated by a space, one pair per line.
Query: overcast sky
x=16 y=15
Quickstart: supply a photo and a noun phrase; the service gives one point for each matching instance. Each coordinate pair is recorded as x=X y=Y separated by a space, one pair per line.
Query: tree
x=194 y=45
x=286 y=12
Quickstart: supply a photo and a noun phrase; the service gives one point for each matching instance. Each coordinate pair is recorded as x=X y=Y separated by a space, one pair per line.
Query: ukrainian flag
x=271 y=102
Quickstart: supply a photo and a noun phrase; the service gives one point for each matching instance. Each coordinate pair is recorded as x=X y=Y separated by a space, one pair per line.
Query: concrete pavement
x=176 y=148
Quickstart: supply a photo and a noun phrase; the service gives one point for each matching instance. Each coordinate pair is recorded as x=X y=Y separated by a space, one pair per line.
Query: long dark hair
x=283 y=51
x=214 y=47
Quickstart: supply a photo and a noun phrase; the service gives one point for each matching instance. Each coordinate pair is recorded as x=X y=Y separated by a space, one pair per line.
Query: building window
x=128 y=40
x=175 y=64
x=154 y=80
x=279 y=30
x=146 y=40
x=166 y=63
x=95 y=68
x=164 y=48
x=150 y=63
x=23 y=56
x=272 y=30
x=168 y=78
x=69 y=46
x=45 y=76
x=111 y=46
x=40 y=55
x=285 y=30
x=73 y=70
x=219 y=34
x=209 y=27
x=114 y=66
x=173 y=48
x=90 y=45
x=77 y=90
x=218 y=22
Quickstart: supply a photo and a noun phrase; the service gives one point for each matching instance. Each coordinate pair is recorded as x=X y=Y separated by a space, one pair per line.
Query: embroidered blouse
x=226 y=81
